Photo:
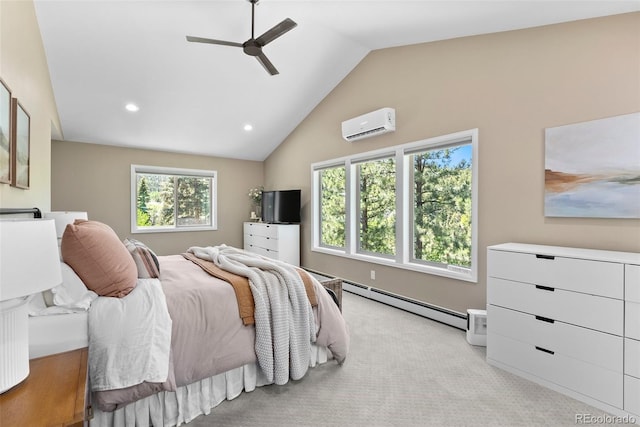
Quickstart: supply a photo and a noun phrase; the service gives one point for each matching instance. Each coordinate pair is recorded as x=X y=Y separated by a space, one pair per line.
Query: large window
x=411 y=206
x=332 y=205
x=169 y=199
x=442 y=206
x=377 y=206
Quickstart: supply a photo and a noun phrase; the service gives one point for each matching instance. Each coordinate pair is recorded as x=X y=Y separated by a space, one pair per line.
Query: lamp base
x=14 y=343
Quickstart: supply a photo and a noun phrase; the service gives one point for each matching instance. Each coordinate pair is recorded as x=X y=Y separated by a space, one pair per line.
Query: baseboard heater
x=433 y=312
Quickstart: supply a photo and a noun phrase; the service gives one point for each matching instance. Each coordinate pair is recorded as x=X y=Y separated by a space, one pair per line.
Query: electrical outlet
x=373 y=275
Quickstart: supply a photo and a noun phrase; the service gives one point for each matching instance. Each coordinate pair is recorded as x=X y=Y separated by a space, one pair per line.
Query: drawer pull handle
x=545 y=288
x=544 y=350
x=545 y=319
x=551 y=257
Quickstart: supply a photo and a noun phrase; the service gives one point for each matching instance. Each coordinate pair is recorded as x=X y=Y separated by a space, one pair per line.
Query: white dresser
x=278 y=241
x=568 y=319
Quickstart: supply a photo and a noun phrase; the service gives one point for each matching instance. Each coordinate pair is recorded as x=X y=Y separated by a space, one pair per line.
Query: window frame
x=404 y=206
x=162 y=170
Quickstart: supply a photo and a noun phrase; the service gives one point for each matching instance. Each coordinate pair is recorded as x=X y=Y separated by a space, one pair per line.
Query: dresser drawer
x=260 y=229
x=593 y=381
x=262 y=251
x=632 y=395
x=632 y=357
x=590 y=277
x=632 y=283
x=597 y=348
x=599 y=313
x=632 y=320
x=263 y=242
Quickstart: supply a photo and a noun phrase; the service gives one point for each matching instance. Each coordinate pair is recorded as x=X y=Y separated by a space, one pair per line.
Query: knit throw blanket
x=284 y=321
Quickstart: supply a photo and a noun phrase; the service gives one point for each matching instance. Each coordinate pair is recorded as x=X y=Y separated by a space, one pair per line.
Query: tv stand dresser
x=568 y=319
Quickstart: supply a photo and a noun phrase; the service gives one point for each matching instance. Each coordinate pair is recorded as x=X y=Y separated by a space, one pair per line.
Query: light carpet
x=402 y=370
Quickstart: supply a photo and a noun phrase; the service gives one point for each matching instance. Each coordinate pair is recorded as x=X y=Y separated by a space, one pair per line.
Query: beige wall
x=511 y=86
x=23 y=67
x=97 y=178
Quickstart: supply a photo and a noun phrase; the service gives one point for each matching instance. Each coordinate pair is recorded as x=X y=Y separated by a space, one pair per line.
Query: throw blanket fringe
x=284 y=322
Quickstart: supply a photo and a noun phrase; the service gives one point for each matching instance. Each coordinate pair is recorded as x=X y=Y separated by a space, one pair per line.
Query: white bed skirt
x=170 y=408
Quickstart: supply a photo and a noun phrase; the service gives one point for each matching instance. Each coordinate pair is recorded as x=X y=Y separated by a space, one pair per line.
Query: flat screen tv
x=281 y=206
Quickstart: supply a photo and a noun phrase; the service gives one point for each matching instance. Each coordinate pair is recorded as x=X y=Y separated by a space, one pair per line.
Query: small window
x=170 y=199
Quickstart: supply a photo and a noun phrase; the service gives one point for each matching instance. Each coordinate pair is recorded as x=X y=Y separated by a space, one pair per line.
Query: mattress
x=57 y=333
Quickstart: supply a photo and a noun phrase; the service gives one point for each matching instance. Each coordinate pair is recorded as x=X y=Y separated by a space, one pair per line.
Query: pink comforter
x=208 y=336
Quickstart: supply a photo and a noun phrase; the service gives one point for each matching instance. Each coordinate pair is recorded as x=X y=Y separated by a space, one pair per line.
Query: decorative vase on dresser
x=568 y=319
x=277 y=241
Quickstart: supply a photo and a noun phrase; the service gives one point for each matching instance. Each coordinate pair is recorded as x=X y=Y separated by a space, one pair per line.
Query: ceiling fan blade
x=212 y=41
x=276 y=32
x=262 y=59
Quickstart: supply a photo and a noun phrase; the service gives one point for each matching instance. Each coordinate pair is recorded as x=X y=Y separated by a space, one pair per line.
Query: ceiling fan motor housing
x=252 y=47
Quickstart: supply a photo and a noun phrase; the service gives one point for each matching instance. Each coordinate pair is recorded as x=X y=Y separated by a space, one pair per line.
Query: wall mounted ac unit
x=370 y=124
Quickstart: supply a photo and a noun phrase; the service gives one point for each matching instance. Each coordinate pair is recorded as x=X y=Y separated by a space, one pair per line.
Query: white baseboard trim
x=433 y=312
x=439 y=314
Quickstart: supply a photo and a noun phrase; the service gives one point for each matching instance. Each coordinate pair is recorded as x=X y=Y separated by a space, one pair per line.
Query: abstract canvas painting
x=592 y=169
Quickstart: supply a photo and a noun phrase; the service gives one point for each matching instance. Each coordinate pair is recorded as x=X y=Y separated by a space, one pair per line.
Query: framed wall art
x=592 y=169
x=21 y=134
x=5 y=133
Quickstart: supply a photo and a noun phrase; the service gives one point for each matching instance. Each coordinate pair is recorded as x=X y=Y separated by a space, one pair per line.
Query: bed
x=188 y=328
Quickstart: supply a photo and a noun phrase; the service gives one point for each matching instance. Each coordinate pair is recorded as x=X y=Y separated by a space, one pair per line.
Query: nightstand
x=54 y=394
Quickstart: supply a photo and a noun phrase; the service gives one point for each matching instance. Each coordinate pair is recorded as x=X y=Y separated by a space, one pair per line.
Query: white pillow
x=71 y=296
x=72 y=293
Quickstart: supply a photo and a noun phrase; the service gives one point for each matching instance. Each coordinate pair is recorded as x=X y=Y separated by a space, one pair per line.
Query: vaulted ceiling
x=198 y=98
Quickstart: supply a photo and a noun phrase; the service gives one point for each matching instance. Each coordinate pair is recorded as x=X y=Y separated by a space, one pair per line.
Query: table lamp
x=29 y=263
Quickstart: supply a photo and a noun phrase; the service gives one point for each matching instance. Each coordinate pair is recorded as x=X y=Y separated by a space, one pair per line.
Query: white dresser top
x=591 y=254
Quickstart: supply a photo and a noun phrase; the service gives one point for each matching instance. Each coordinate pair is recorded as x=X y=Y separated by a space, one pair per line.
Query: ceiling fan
x=253 y=46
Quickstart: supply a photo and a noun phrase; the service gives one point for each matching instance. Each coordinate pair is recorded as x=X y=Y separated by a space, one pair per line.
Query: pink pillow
x=97 y=255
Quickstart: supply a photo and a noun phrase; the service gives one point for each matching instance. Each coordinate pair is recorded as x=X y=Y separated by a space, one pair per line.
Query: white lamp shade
x=29 y=260
x=63 y=218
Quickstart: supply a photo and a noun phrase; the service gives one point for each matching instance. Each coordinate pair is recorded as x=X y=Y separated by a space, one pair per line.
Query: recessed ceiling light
x=132 y=107
x=248 y=127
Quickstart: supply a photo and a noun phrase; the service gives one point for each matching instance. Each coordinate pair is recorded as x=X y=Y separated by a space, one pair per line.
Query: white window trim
x=135 y=169
x=403 y=255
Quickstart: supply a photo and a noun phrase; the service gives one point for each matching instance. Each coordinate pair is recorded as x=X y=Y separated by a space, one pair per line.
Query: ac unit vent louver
x=366 y=133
